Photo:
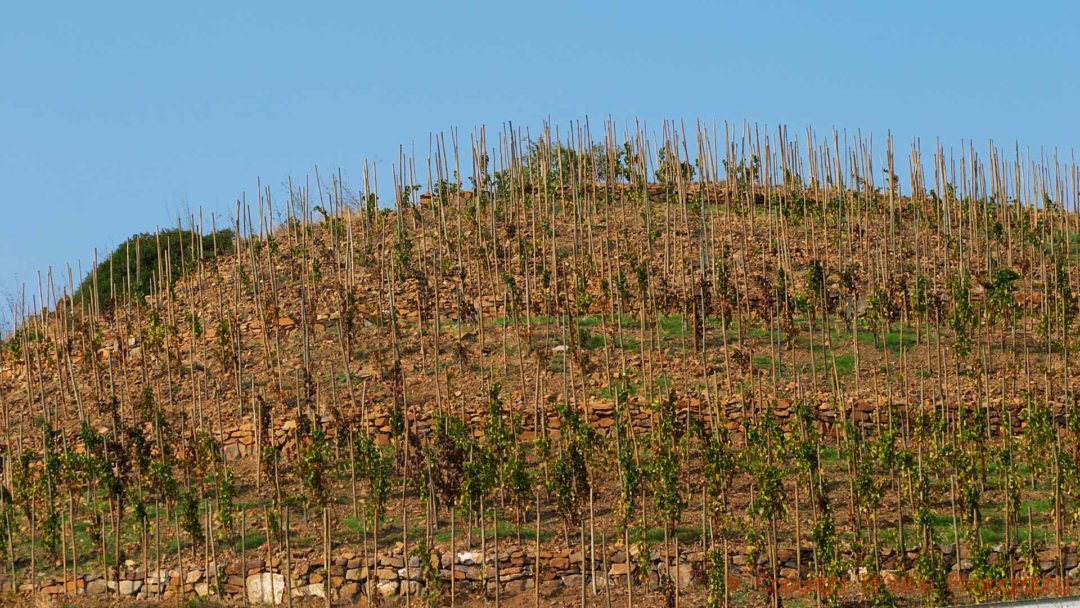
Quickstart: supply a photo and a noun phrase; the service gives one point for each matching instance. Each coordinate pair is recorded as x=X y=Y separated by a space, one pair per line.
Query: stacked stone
x=350 y=575
x=239 y=441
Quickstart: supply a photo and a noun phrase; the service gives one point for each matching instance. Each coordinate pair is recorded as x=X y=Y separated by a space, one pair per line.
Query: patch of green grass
x=715 y=321
x=1041 y=535
x=769 y=364
x=1038 y=506
x=582 y=321
x=168 y=547
x=533 y=320
x=742 y=595
x=830 y=455
x=662 y=384
x=893 y=339
x=297 y=501
x=250 y=541
x=389 y=534
x=354 y=524
x=627 y=321
x=761 y=362
x=303 y=541
x=759 y=334
x=656 y=535
x=253 y=503
x=672 y=326
x=589 y=340
x=506 y=530
x=450 y=325
x=198 y=602
x=991 y=531
x=845 y=364
x=941 y=521
x=345 y=378
x=609 y=392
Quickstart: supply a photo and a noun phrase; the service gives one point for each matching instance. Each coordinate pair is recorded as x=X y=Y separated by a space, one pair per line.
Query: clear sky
x=117 y=116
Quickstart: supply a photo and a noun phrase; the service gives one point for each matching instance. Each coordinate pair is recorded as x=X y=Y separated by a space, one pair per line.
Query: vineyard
x=715 y=365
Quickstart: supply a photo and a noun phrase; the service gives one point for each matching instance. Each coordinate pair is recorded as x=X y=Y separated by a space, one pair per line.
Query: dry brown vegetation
x=705 y=355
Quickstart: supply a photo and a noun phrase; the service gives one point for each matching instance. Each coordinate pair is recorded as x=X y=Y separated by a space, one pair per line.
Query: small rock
x=469 y=558
x=129 y=587
x=392 y=561
x=518 y=586
x=387 y=588
x=348 y=592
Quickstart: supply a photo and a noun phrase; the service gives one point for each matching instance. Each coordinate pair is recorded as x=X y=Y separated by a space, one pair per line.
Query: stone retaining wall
x=239 y=441
x=352 y=575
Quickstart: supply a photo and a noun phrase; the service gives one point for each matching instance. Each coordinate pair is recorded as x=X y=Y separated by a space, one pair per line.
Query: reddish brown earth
x=546 y=293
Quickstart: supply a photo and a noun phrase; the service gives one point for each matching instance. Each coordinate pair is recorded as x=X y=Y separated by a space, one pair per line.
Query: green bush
x=137 y=257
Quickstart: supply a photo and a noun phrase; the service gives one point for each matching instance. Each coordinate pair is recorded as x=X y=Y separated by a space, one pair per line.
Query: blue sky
x=117 y=116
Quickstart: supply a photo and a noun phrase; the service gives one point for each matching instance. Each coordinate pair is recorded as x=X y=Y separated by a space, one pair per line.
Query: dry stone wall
x=241 y=440
x=351 y=575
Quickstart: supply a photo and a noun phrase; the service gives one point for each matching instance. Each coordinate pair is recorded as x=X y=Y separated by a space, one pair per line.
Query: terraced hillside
x=729 y=367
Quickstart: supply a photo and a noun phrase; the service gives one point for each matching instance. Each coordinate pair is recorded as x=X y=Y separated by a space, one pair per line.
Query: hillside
x=589 y=373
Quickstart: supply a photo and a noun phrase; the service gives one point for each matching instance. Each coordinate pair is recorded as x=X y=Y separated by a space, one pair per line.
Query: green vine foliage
x=932 y=572
x=762 y=458
x=715 y=581
x=569 y=473
x=963 y=320
x=827 y=554
x=429 y=572
x=481 y=471
x=630 y=473
x=226 y=491
x=987 y=581
x=665 y=465
x=1001 y=305
x=448 y=455
x=501 y=434
x=373 y=466
x=315 y=464
x=190 y=520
